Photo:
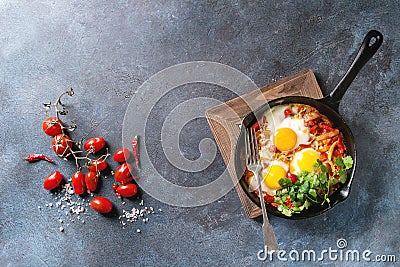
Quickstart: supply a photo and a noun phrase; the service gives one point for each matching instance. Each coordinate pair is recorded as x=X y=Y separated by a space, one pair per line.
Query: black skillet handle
x=369 y=46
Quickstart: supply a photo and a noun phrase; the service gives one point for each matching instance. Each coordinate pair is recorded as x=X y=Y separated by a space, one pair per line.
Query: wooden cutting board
x=225 y=119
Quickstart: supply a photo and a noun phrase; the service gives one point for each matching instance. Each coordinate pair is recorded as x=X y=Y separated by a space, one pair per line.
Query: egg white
x=275 y=116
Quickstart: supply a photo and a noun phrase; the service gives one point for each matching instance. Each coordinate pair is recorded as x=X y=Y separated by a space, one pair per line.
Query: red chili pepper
x=36 y=157
x=135 y=150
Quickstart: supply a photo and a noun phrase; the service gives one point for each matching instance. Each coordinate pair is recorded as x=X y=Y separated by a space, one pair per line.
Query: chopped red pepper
x=255 y=126
x=269 y=199
x=36 y=157
x=313 y=129
x=323 y=156
x=339 y=152
x=289 y=203
x=310 y=123
x=325 y=127
x=304 y=146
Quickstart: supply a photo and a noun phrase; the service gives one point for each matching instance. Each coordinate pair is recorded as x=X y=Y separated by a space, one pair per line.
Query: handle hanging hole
x=372 y=41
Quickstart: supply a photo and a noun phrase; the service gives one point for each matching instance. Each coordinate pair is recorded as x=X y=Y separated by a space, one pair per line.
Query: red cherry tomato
x=61 y=144
x=127 y=190
x=78 y=183
x=97 y=143
x=52 y=181
x=292 y=177
x=123 y=173
x=52 y=126
x=101 y=204
x=97 y=165
x=287 y=112
x=91 y=180
x=121 y=155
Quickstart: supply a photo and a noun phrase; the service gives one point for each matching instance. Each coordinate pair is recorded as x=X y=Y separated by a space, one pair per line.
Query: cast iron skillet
x=328 y=106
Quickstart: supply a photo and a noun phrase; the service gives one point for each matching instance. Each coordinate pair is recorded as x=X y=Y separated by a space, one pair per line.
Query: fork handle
x=270 y=241
x=262 y=201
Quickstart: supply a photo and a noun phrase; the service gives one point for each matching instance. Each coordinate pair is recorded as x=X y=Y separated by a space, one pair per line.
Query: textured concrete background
x=106 y=49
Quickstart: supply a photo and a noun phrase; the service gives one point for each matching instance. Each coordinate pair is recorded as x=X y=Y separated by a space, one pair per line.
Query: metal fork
x=254 y=165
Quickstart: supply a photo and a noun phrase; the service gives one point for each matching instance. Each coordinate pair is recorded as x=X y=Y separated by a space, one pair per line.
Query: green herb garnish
x=311 y=187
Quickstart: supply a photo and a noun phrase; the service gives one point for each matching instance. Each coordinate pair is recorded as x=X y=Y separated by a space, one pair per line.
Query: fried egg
x=270 y=177
x=289 y=132
x=304 y=160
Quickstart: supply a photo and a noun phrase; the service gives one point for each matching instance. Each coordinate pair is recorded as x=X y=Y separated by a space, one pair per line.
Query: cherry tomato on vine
x=127 y=190
x=91 y=180
x=78 y=183
x=97 y=143
x=101 y=204
x=52 y=181
x=52 y=126
x=121 y=155
x=123 y=173
x=61 y=144
x=97 y=165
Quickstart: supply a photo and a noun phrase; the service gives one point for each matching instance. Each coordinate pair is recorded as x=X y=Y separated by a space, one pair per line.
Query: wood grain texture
x=225 y=119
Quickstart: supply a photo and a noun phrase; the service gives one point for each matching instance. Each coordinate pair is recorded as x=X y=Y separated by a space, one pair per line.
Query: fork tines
x=251 y=147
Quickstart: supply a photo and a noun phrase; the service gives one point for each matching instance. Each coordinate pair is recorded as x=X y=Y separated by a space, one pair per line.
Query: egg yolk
x=285 y=139
x=272 y=176
x=307 y=159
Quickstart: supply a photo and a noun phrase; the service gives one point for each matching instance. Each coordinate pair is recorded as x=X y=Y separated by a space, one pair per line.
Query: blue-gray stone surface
x=106 y=49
